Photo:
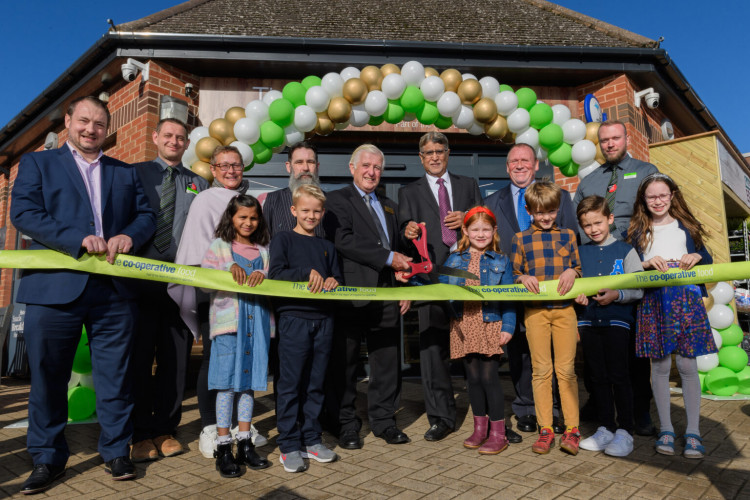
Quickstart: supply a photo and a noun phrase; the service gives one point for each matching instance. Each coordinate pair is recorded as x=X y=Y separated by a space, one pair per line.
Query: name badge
x=389 y=210
x=631 y=175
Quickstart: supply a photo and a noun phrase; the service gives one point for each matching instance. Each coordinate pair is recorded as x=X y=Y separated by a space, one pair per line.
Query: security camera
x=130 y=70
x=651 y=97
x=188 y=89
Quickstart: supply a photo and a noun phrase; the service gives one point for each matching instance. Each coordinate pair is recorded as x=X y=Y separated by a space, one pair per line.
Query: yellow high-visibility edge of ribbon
x=127 y=266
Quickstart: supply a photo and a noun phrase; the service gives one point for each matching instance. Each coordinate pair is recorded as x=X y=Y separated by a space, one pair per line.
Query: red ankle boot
x=480 y=433
x=497 y=441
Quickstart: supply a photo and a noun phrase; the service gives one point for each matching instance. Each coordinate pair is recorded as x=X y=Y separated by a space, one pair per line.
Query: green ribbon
x=126 y=266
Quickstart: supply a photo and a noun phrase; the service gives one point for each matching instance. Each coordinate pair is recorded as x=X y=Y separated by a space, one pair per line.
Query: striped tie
x=163 y=236
x=610 y=195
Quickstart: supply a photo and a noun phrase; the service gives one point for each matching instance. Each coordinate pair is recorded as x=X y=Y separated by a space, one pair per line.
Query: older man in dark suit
x=364 y=228
x=439 y=199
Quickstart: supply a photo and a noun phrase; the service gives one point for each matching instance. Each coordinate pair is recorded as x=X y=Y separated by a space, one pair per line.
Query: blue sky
x=42 y=38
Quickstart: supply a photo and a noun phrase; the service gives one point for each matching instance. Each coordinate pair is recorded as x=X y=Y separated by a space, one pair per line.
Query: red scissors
x=426 y=266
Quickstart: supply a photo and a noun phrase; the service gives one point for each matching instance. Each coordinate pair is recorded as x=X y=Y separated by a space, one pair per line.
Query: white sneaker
x=256 y=437
x=207 y=441
x=621 y=445
x=597 y=442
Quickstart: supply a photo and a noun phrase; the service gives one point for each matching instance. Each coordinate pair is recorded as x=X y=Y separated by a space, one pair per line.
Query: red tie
x=444 y=204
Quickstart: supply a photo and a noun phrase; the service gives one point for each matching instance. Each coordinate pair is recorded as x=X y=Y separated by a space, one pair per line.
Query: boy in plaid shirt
x=541 y=253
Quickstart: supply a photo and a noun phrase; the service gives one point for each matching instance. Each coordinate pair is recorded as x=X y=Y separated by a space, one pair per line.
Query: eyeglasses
x=661 y=197
x=437 y=152
x=225 y=167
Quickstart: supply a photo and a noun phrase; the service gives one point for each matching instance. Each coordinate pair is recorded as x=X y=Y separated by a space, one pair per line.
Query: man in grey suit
x=510 y=209
x=439 y=199
x=160 y=332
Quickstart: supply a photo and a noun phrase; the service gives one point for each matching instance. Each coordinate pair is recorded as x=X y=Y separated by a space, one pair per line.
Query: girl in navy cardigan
x=671 y=319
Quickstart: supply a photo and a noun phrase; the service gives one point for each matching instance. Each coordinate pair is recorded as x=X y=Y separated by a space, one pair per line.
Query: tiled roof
x=501 y=22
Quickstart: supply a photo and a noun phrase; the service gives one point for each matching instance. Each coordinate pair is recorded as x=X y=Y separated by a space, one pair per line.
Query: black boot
x=246 y=455
x=225 y=462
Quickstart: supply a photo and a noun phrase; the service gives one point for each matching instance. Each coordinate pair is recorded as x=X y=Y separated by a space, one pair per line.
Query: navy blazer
x=51 y=205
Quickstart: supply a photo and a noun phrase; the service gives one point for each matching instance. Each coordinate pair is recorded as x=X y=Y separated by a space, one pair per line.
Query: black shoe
x=645 y=427
x=42 y=478
x=437 y=432
x=121 y=468
x=512 y=436
x=393 y=435
x=246 y=455
x=349 y=440
x=225 y=462
x=557 y=426
x=527 y=423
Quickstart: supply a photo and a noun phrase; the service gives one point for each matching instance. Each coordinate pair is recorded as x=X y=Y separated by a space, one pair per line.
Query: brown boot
x=497 y=441
x=143 y=451
x=168 y=446
x=480 y=433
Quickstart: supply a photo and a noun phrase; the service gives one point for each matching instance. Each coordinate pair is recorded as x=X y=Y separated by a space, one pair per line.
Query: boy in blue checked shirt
x=541 y=253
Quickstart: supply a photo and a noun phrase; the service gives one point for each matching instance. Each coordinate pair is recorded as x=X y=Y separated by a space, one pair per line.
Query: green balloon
x=412 y=99
x=702 y=380
x=294 y=92
x=569 y=170
x=551 y=136
x=311 y=81
x=526 y=98
x=376 y=120
x=560 y=157
x=81 y=403
x=540 y=115
x=252 y=164
x=743 y=377
x=504 y=87
x=443 y=122
x=261 y=152
x=428 y=113
x=394 y=113
x=271 y=134
x=281 y=112
x=731 y=335
x=82 y=359
x=722 y=381
x=733 y=357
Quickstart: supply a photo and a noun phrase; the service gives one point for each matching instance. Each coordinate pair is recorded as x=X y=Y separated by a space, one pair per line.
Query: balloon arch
x=391 y=94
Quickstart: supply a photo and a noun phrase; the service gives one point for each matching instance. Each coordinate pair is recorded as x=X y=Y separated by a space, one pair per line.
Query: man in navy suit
x=510 y=209
x=76 y=200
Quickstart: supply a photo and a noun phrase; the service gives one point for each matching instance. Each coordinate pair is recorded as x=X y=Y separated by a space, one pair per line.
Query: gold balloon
x=430 y=71
x=470 y=91
x=710 y=286
x=592 y=130
x=309 y=135
x=325 y=125
x=485 y=110
x=205 y=148
x=229 y=140
x=372 y=76
x=203 y=169
x=708 y=301
x=389 y=68
x=509 y=138
x=339 y=110
x=452 y=79
x=221 y=129
x=234 y=113
x=355 y=90
x=497 y=129
x=600 y=156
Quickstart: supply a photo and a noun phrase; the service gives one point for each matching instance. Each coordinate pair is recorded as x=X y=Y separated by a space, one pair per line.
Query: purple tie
x=444 y=204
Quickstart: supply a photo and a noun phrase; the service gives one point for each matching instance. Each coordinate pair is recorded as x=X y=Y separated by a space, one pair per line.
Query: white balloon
x=245 y=150
x=530 y=136
x=393 y=86
x=468 y=76
x=317 y=98
x=584 y=171
x=518 y=121
x=717 y=338
x=198 y=133
x=189 y=157
x=349 y=73
x=257 y=111
x=75 y=379
x=507 y=102
x=490 y=87
x=720 y=316
x=305 y=118
x=723 y=293
x=432 y=87
x=574 y=130
x=449 y=103
x=86 y=380
x=359 y=116
x=583 y=152
x=271 y=96
x=560 y=114
x=292 y=135
x=476 y=129
x=707 y=362
x=541 y=153
x=464 y=117
x=246 y=130
x=376 y=102
x=413 y=73
x=333 y=84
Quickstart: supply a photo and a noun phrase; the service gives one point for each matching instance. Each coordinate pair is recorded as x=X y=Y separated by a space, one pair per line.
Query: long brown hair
x=483 y=216
x=225 y=228
x=641 y=232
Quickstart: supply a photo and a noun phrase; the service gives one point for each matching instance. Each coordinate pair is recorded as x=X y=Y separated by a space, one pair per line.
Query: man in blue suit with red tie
x=76 y=200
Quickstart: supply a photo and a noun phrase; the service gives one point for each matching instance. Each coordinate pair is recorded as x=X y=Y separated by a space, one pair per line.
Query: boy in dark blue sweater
x=305 y=331
x=605 y=326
